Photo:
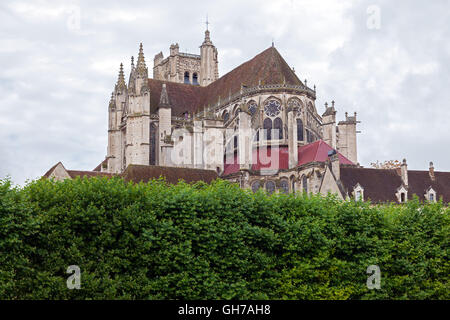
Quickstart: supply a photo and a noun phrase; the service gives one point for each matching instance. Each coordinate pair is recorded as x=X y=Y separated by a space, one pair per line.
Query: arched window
x=255 y=186
x=309 y=137
x=267 y=125
x=195 y=79
x=278 y=128
x=292 y=184
x=305 y=184
x=402 y=197
x=226 y=116
x=152 y=144
x=186 y=78
x=256 y=136
x=284 y=186
x=270 y=187
x=252 y=107
x=299 y=130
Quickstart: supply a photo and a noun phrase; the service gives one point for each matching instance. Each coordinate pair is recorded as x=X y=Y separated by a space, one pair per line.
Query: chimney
x=404 y=170
x=431 y=171
x=334 y=160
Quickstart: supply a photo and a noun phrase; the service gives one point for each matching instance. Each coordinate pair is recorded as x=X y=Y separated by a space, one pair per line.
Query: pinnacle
x=164 y=100
x=140 y=65
x=121 y=81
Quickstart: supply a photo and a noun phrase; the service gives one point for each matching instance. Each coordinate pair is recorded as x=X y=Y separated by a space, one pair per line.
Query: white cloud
x=56 y=80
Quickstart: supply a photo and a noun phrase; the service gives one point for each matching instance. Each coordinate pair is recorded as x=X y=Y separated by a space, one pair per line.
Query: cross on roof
x=207 y=23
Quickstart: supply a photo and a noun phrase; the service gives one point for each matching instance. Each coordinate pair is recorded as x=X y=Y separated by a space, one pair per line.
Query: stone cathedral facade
x=255 y=125
x=258 y=125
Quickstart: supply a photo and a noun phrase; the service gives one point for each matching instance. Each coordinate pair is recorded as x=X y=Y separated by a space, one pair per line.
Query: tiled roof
x=77 y=173
x=138 y=173
x=380 y=185
x=318 y=151
x=278 y=157
x=420 y=181
x=269 y=67
x=99 y=167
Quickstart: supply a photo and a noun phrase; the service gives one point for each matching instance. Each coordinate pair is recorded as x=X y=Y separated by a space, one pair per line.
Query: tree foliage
x=159 y=241
x=387 y=164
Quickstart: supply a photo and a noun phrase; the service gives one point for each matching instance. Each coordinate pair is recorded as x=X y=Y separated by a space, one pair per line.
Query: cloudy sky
x=387 y=60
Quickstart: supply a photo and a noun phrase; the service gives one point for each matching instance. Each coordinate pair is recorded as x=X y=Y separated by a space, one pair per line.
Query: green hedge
x=158 y=241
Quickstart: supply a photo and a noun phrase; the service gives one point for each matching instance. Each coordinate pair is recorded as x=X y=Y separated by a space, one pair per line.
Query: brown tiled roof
x=380 y=185
x=420 y=181
x=99 y=167
x=77 y=173
x=269 y=67
x=138 y=173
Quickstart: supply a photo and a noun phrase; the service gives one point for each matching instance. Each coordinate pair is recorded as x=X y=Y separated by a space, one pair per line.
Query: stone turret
x=209 y=69
x=329 y=125
x=116 y=108
x=346 y=141
x=165 y=126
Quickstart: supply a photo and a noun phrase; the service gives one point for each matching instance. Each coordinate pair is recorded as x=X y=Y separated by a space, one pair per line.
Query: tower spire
x=141 y=68
x=121 y=80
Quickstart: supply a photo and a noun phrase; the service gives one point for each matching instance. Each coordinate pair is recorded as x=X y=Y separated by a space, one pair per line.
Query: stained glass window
x=252 y=107
x=270 y=187
x=255 y=186
x=299 y=130
x=272 y=108
x=294 y=104
x=268 y=128
x=226 y=116
x=278 y=128
x=284 y=186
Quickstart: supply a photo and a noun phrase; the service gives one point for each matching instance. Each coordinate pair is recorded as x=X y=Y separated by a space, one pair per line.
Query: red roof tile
x=278 y=157
x=318 y=151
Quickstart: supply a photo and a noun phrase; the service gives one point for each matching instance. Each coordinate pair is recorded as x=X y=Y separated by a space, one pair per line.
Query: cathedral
x=257 y=125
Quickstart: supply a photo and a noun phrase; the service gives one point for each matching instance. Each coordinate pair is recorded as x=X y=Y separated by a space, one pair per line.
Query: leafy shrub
x=199 y=241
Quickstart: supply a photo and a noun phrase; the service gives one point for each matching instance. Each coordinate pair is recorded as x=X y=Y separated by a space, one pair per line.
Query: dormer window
x=402 y=194
x=358 y=193
x=402 y=197
x=430 y=195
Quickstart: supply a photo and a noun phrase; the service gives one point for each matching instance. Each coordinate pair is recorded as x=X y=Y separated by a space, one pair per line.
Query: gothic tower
x=116 y=106
x=137 y=132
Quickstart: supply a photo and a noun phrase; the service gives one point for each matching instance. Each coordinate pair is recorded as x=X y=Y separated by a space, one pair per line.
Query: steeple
x=164 y=99
x=121 y=85
x=141 y=68
x=131 y=80
x=209 y=70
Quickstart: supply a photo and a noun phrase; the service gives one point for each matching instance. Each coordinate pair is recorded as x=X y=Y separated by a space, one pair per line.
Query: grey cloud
x=55 y=82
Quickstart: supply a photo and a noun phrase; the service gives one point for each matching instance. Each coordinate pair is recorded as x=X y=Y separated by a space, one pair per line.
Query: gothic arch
x=278 y=128
x=267 y=126
x=300 y=130
x=187 y=79
x=295 y=103
x=153 y=135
